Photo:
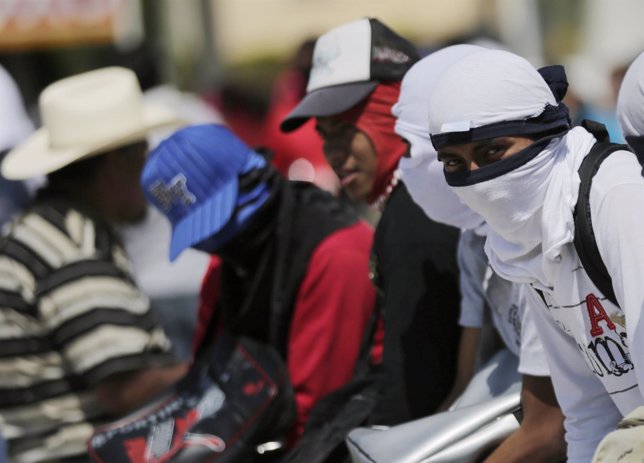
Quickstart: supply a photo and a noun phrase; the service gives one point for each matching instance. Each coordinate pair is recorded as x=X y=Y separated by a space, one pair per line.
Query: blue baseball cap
x=192 y=177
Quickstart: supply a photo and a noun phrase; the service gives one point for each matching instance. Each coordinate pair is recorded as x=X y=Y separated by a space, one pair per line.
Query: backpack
x=584 y=240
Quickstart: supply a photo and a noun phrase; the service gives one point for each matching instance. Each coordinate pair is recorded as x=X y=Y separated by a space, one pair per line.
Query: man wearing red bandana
x=354 y=83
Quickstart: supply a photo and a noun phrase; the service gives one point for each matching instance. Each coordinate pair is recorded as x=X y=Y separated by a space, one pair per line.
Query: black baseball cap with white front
x=348 y=63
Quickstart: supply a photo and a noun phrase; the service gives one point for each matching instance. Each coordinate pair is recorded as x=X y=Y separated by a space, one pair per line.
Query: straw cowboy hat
x=85 y=115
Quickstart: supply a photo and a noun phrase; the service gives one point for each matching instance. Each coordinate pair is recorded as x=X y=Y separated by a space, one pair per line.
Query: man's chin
x=356 y=195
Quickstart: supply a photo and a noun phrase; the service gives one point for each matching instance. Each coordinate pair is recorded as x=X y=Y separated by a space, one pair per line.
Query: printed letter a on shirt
x=596 y=313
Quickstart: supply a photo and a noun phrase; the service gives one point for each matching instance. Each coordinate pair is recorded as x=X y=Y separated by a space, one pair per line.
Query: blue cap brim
x=206 y=220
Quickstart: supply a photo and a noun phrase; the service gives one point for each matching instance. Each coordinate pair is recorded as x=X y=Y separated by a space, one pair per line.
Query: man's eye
x=495 y=151
x=452 y=164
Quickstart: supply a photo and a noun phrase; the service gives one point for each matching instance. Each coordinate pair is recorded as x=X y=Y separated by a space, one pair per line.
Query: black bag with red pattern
x=236 y=404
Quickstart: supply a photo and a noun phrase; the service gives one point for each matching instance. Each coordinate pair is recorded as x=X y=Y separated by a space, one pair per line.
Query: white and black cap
x=348 y=63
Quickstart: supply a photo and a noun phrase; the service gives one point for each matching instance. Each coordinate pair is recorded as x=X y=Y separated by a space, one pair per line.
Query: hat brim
x=327 y=101
x=205 y=220
x=35 y=157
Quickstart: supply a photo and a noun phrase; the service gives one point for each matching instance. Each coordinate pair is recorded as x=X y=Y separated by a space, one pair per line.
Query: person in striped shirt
x=79 y=344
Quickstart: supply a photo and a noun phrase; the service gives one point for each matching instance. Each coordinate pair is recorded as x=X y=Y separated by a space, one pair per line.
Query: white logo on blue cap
x=175 y=192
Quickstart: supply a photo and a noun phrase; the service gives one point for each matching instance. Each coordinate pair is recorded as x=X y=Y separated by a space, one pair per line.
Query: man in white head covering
x=509 y=153
x=630 y=105
x=541 y=433
x=79 y=342
x=421 y=170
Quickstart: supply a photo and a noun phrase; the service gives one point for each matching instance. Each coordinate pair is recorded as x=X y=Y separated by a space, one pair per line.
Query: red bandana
x=373 y=117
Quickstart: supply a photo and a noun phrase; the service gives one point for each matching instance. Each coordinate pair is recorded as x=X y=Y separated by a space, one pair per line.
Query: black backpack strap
x=585 y=243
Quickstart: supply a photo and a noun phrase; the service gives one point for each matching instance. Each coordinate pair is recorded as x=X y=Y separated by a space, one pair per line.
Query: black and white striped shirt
x=70 y=316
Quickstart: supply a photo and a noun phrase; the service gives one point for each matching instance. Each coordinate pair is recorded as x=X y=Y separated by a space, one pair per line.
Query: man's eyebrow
x=445 y=154
x=482 y=144
x=490 y=141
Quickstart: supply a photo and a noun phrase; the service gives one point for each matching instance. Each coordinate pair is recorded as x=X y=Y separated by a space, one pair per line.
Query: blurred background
x=230 y=52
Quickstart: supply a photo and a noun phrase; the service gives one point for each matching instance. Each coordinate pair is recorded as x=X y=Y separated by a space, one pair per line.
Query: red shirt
x=333 y=306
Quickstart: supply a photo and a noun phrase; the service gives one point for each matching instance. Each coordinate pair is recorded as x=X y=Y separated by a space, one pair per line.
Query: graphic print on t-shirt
x=597 y=327
x=608 y=349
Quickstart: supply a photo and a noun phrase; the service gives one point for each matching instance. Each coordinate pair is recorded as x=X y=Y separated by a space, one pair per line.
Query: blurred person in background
x=15 y=126
x=80 y=344
x=630 y=106
x=243 y=109
x=584 y=104
x=290 y=265
x=540 y=437
x=354 y=83
x=581 y=110
x=256 y=120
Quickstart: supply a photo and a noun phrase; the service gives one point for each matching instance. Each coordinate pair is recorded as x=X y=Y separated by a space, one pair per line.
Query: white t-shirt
x=481 y=287
x=595 y=349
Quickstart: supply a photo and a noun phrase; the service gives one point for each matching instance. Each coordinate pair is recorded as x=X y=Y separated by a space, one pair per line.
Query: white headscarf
x=630 y=102
x=485 y=88
x=528 y=209
x=422 y=173
x=15 y=125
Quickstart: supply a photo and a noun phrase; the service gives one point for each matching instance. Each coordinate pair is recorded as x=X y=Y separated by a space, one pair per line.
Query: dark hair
x=79 y=172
